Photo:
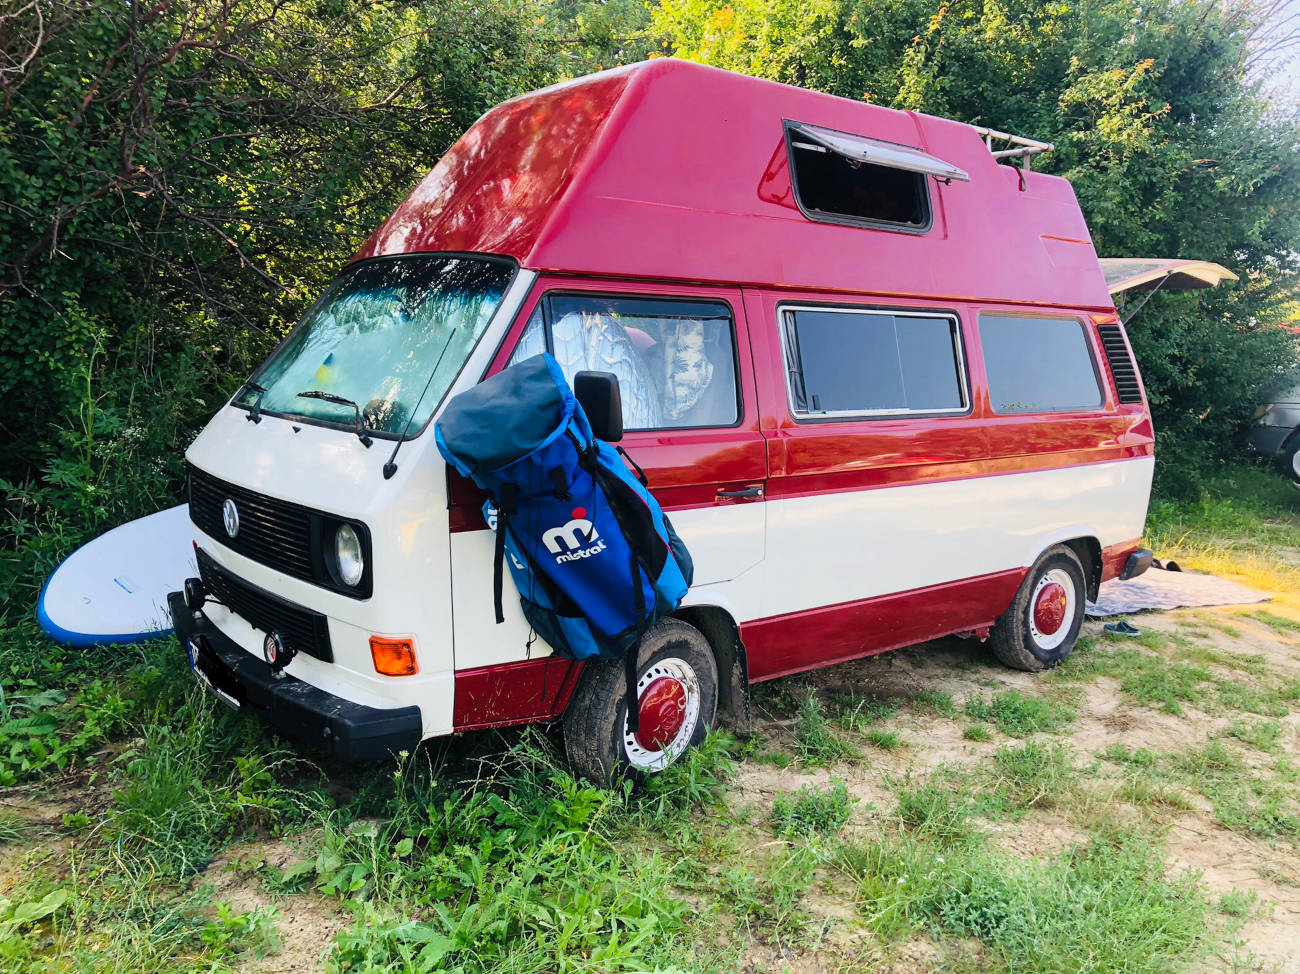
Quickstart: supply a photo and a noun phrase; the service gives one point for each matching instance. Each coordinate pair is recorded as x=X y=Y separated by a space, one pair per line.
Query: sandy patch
x=307 y=922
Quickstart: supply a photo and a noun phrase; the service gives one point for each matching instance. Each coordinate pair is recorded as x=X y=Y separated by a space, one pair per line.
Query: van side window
x=1038 y=365
x=832 y=187
x=854 y=362
x=675 y=359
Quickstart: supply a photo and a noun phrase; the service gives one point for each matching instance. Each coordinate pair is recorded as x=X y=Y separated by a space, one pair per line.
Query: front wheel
x=1040 y=628
x=677 y=695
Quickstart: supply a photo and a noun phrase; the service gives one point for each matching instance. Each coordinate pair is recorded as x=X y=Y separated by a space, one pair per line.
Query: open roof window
x=843 y=178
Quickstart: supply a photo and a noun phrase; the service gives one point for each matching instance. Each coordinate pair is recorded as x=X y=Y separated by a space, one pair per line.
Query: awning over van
x=1146 y=273
x=861 y=148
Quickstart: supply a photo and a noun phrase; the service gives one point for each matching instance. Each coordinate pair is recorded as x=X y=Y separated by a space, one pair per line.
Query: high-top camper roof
x=672 y=170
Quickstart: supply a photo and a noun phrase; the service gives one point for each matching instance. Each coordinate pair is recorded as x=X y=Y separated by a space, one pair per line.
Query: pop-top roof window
x=843 y=178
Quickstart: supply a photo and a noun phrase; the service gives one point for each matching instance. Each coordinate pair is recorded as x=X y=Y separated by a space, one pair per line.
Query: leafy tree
x=178 y=178
x=1162 y=121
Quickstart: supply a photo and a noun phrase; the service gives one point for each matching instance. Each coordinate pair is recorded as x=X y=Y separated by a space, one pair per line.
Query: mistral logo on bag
x=576 y=539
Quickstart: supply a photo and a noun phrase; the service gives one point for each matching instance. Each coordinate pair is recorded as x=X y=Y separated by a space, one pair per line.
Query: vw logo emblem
x=230 y=517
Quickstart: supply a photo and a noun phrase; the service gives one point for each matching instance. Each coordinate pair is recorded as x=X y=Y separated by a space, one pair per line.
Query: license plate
x=200 y=661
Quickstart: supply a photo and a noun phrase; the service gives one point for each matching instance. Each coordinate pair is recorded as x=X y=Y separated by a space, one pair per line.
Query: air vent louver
x=1127 y=386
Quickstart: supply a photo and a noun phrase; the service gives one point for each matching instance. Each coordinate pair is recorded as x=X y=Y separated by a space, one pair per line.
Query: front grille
x=1121 y=364
x=302 y=630
x=274 y=532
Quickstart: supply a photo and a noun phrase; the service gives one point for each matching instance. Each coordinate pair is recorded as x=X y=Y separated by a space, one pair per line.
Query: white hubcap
x=1050 y=621
x=649 y=758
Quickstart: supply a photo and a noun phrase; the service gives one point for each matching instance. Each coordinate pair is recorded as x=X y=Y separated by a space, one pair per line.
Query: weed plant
x=816 y=742
x=812 y=810
x=1019 y=715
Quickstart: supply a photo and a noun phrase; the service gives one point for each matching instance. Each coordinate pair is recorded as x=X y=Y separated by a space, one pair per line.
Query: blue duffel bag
x=594 y=557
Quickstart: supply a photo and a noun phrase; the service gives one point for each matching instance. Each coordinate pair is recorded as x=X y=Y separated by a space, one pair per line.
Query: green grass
x=883 y=739
x=1254 y=665
x=1238 y=903
x=1154 y=795
x=1279 y=624
x=857 y=713
x=812 y=810
x=1168 y=685
x=776 y=759
x=938 y=701
x=1035 y=774
x=1238 y=526
x=1108 y=905
x=934 y=812
x=1262 y=735
x=814 y=739
x=977 y=732
x=1244 y=801
x=1019 y=715
x=1266 y=701
x=767 y=903
x=1136 y=759
x=1153 y=679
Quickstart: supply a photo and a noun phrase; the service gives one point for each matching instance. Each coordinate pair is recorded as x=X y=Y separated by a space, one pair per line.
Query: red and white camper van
x=870 y=365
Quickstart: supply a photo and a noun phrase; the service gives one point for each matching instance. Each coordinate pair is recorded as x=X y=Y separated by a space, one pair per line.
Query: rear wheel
x=1040 y=628
x=1289 y=458
x=677 y=694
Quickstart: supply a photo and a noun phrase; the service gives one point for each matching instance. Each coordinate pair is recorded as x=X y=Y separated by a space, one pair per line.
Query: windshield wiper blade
x=255 y=410
x=362 y=434
x=390 y=467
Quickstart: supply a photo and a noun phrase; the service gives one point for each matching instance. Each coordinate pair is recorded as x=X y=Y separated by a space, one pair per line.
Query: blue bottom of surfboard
x=114 y=589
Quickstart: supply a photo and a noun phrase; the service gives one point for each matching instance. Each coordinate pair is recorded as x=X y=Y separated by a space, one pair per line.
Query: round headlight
x=347 y=555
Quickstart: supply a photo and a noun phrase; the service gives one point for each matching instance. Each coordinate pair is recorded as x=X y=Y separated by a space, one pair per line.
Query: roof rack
x=1021 y=147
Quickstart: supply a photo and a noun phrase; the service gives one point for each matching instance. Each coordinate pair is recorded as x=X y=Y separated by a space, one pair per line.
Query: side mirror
x=597 y=393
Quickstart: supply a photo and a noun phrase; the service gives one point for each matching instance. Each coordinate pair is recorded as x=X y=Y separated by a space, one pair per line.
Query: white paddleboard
x=114 y=589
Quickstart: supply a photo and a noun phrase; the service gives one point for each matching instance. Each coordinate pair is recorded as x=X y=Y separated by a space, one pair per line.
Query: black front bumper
x=349 y=730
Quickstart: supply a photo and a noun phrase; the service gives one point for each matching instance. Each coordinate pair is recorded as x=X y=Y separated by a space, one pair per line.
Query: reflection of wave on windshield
x=379 y=333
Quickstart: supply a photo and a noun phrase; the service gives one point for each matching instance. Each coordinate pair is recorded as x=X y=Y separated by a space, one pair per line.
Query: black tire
x=595 y=721
x=1020 y=639
x=1288 y=460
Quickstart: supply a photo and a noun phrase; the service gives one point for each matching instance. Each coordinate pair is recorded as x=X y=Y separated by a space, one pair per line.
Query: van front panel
x=327 y=469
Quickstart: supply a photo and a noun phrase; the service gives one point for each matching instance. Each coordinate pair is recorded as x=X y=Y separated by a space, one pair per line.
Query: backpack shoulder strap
x=507 y=504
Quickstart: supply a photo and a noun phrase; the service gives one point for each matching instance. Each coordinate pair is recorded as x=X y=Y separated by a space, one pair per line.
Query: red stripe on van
x=534 y=690
x=849 y=479
x=522 y=692
x=785 y=644
x=464 y=513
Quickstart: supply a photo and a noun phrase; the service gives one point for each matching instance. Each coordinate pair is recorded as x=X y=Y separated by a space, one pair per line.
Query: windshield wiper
x=255 y=410
x=390 y=467
x=340 y=401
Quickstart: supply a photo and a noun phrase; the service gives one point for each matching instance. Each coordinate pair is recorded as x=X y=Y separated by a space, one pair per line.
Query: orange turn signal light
x=393 y=657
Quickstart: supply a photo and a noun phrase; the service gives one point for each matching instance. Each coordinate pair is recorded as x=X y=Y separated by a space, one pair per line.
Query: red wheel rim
x=661 y=712
x=1050 y=608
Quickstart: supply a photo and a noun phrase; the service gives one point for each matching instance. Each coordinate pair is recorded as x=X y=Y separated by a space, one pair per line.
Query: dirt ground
x=1227 y=861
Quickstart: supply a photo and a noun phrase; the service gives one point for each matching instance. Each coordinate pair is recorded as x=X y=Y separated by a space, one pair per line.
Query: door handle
x=747 y=493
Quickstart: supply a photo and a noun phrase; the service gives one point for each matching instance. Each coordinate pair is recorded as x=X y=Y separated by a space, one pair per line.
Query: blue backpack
x=594 y=558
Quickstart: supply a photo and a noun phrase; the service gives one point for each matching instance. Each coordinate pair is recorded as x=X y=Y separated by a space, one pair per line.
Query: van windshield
x=381 y=330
